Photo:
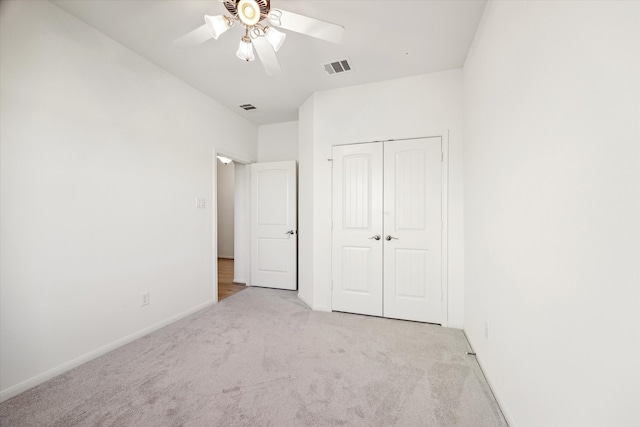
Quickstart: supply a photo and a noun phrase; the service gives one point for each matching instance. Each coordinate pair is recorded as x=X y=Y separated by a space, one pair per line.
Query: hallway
x=226 y=287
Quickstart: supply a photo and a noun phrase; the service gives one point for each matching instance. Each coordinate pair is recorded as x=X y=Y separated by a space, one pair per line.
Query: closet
x=387 y=229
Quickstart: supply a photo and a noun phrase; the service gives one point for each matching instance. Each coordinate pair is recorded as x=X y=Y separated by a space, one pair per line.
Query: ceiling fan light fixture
x=217 y=24
x=258 y=20
x=245 y=50
x=249 y=12
x=275 y=37
x=224 y=160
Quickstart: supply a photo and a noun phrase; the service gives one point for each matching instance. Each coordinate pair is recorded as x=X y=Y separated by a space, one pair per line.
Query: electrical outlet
x=144 y=299
x=486 y=329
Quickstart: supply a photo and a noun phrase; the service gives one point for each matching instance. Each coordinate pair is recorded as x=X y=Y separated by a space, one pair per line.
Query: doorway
x=226 y=189
x=226 y=285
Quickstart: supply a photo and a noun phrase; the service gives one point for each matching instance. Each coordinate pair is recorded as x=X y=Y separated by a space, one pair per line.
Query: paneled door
x=387 y=225
x=412 y=230
x=357 y=229
x=274 y=225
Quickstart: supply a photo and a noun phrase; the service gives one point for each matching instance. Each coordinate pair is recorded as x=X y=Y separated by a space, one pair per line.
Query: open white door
x=274 y=225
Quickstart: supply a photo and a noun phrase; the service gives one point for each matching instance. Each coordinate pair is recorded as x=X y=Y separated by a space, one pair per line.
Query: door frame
x=444 y=194
x=214 y=208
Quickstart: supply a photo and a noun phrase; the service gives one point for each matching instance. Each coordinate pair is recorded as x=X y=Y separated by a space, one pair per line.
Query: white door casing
x=357 y=220
x=394 y=190
x=274 y=225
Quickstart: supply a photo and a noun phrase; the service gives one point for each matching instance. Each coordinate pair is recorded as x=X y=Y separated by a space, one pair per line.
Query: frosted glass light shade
x=275 y=37
x=248 y=12
x=245 y=50
x=217 y=24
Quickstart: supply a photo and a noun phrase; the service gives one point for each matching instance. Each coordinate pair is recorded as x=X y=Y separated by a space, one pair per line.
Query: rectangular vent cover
x=337 y=67
x=248 y=107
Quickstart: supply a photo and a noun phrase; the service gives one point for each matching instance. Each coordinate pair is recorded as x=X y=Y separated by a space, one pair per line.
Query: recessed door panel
x=356 y=191
x=355 y=271
x=272 y=192
x=273 y=255
x=410 y=194
x=411 y=273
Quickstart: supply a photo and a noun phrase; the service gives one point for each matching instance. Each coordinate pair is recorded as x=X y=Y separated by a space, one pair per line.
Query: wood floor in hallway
x=226 y=287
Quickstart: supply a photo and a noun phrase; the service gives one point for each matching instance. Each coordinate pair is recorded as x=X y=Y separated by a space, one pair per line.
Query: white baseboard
x=307 y=303
x=39 y=379
x=323 y=308
x=496 y=393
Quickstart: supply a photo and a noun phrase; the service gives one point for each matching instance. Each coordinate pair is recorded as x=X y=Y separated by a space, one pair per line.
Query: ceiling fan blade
x=267 y=56
x=195 y=37
x=305 y=25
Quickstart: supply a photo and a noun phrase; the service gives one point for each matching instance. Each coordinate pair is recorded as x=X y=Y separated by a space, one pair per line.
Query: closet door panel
x=357 y=219
x=412 y=229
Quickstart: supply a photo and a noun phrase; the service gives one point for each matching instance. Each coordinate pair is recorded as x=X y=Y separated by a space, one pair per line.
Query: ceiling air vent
x=248 y=107
x=337 y=67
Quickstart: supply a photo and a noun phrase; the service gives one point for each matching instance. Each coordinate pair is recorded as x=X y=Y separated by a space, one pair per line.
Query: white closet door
x=412 y=229
x=357 y=219
x=273 y=225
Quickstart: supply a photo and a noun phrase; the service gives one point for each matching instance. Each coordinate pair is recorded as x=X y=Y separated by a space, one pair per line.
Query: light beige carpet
x=262 y=358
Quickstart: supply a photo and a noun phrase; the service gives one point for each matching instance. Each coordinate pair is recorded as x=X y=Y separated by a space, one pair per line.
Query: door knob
x=376 y=237
x=389 y=237
x=290 y=232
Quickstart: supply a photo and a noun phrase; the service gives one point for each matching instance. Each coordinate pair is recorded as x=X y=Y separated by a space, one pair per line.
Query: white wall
x=102 y=157
x=226 y=203
x=405 y=108
x=278 y=142
x=552 y=210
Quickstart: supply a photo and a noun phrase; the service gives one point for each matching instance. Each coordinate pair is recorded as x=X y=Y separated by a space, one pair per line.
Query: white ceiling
x=383 y=40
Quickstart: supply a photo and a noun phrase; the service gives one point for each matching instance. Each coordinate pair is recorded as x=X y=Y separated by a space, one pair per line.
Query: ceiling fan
x=259 y=19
